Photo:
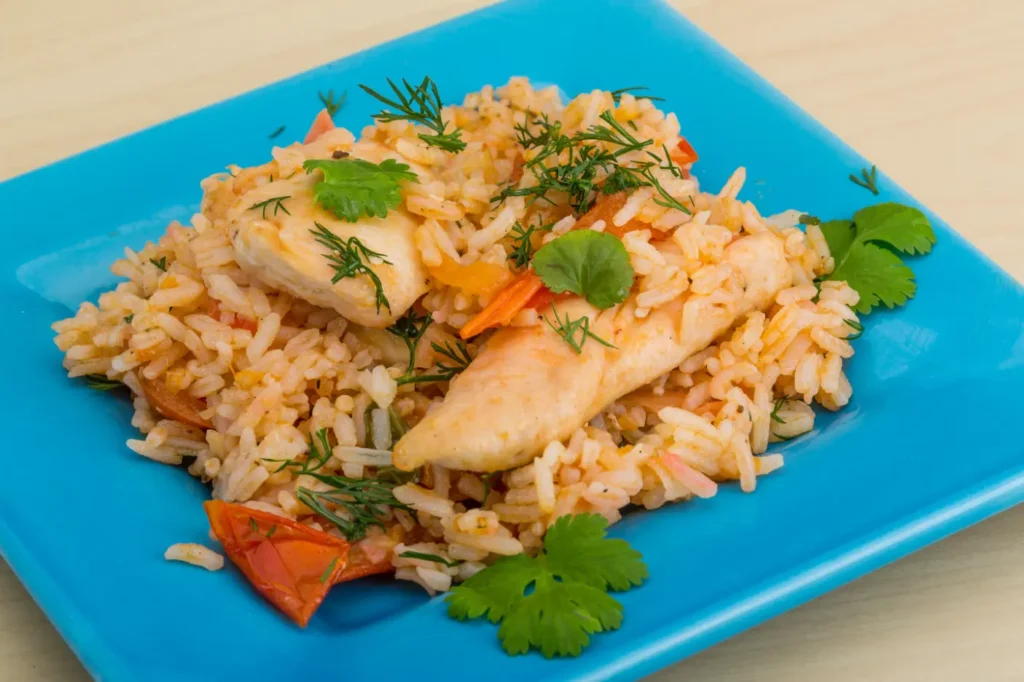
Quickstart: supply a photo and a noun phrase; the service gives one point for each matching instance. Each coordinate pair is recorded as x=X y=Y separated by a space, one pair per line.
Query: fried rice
x=264 y=370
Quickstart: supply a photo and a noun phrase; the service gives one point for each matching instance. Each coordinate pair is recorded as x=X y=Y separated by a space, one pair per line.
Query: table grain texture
x=930 y=90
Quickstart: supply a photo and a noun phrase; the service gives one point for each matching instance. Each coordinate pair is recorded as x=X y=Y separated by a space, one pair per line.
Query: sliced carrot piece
x=685 y=153
x=321 y=124
x=505 y=305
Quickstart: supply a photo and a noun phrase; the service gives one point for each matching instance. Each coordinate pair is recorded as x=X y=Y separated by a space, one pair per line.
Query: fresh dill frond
x=160 y=263
x=778 y=406
x=100 y=382
x=327 y=571
x=317 y=453
x=617 y=94
x=410 y=328
x=808 y=219
x=430 y=557
x=350 y=258
x=352 y=505
x=129 y=317
x=868 y=179
x=458 y=355
x=276 y=133
x=522 y=242
x=276 y=202
x=419 y=104
x=857 y=328
x=329 y=102
x=575 y=332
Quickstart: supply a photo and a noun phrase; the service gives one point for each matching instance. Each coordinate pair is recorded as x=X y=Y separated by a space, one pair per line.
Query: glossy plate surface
x=929 y=445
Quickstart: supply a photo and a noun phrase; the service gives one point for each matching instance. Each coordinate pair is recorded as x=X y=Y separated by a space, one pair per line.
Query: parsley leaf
x=570 y=579
x=592 y=264
x=353 y=187
x=864 y=262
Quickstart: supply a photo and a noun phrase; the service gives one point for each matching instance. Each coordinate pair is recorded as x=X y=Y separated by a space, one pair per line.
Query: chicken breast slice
x=278 y=248
x=528 y=387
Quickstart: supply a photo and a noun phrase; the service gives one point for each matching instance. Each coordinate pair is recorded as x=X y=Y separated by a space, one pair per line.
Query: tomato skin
x=291 y=565
x=685 y=153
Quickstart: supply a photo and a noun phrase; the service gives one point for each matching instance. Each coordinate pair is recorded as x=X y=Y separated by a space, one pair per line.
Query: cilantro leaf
x=353 y=187
x=592 y=264
x=863 y=252
x=569 y=580
x=839 y=234
x=904 y=228
x=878 y=275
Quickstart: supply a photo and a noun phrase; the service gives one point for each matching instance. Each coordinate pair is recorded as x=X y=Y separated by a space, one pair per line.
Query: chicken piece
x=276 y=245
x=528 y=387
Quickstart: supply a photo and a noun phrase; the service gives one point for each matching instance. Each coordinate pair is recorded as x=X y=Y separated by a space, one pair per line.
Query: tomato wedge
x=685 y=153
x=291 y=565
x=179 y=406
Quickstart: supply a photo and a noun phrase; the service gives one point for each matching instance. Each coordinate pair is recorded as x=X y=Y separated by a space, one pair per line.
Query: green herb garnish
x=577 y=176
x=863 y=252
x=270 y=533
x=554 y=601
x=129 y=317
x=327 y=571
x=330 y=105
x=857 y=328
x=160 y=263
x=276 y=133
x=594 y=265
x=430 y=557
x=100 y=382
x=778 y=406
x=352 y=187
x=422 y=105
x=350 y=257
x=255 y=526
x=808 y=219
x=522 y=242
x=868 y=179
x=617 y=94
x=575 y=332
x=410 y=328
x=398 y=426
x=278 y=203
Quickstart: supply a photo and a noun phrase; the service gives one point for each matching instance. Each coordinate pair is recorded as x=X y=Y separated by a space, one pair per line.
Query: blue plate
x=928 y=446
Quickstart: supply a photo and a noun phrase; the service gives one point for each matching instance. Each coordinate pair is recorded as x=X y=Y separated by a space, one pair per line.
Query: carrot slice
x=685 y=153
x=321 y=124
x=505 y=305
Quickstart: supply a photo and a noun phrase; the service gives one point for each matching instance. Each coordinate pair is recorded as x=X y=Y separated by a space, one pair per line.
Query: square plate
x=928 y=446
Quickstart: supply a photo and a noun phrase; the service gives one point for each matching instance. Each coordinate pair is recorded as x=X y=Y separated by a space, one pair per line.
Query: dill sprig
x=857 y=328
x=274 y=134
x=361 y=501
x=410 y=328
x=522 y=242
x=577 y=177
x=160 y=263
x=429 y=557
x=350 y=257
x=419 y=104
x=778 y=406
x=327 y=571
x=317 y=454
x=617 y=94
x=808 y=219
x=575 y=332
x=329 y=102
x=100 y=382
x=868 y=179
x=277 y=202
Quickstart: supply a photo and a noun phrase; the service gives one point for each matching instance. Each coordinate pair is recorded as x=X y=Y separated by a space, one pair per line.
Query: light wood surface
x=931 y=90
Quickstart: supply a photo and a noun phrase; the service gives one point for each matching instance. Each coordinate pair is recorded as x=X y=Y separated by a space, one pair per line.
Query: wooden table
x=931 y=90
